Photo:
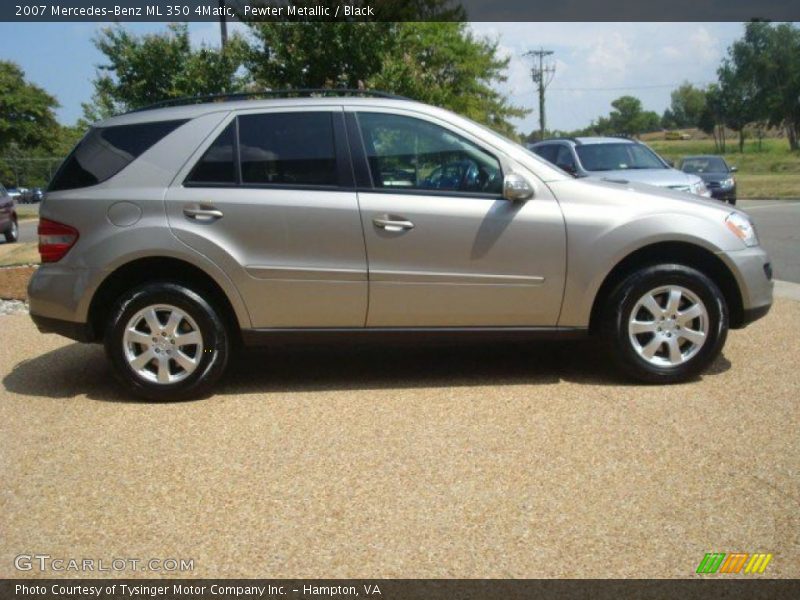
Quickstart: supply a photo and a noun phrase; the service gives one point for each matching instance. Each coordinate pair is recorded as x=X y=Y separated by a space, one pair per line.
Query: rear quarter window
x=105 y=151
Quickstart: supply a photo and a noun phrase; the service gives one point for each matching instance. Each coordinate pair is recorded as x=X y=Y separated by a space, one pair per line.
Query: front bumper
x=726 y=194
x=753 y=273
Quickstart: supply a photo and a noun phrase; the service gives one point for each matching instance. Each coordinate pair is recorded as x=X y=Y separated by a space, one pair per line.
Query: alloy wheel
x=162 y=344
x=668 y=326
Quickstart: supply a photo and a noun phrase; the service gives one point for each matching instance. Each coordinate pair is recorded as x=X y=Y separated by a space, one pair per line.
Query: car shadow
x=83 y=369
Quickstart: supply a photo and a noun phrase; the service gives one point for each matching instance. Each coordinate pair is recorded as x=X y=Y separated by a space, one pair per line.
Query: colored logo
x=736 y=562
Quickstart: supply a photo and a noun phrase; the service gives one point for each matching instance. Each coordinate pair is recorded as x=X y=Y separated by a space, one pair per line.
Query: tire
x=12 y=233
x=159 y=367
x=646 y=348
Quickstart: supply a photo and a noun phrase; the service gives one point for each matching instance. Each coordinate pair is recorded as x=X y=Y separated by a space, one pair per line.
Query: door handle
x=202 y=212
x=392 y=223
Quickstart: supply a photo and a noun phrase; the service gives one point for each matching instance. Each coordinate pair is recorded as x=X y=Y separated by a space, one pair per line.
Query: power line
x=629 y=87
x=542 y=76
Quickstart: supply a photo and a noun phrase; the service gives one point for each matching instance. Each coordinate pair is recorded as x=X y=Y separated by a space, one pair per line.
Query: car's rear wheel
x=665 y=323
x=12 y=233
x=166 y=342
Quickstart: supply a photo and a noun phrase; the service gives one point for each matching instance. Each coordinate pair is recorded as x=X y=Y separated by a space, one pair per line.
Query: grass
x=772 y=172
x=19 y=254
x=27 y=212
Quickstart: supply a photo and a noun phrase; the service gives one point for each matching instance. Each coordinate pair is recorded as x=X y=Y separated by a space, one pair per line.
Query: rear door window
x=288 y=149
x=218 y=164
x=105 y=151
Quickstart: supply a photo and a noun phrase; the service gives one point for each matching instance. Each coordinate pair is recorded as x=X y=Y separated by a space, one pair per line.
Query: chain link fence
x=28 y=171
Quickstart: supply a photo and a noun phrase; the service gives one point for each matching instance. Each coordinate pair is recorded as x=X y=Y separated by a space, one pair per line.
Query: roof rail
x=286 y=93
x=563 y=138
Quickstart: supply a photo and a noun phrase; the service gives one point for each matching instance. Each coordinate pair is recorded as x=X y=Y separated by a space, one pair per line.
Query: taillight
x=55 y=240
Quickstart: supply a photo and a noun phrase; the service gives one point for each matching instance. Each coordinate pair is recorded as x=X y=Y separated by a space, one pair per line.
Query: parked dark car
x=34 y=196
x=8 y=216
x=716 y=173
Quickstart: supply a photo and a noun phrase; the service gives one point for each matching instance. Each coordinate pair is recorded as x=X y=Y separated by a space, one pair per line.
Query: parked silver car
x=617 y=159
x=174 y=233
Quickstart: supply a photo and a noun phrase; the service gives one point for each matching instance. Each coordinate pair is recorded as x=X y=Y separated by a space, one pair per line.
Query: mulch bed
x=14 y=282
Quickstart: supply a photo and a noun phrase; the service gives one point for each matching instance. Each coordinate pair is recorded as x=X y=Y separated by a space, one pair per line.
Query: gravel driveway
x=493 y=461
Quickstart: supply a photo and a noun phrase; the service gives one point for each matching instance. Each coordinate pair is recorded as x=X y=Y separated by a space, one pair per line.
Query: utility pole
x=542 y=75
x=223 y=24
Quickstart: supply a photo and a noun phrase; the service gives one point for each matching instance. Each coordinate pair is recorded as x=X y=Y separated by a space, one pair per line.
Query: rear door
x=270 y=199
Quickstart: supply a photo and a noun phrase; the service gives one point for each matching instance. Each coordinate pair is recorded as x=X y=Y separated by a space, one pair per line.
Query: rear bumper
x=54 y=297
x=80 y=332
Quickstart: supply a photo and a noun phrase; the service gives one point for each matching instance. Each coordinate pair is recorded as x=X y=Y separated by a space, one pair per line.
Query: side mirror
x=516 y=188
x=671 y=163
x=734 y=169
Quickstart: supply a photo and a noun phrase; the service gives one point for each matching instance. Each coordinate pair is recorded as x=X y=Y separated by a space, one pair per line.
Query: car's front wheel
x=166 y=342
x=12 y=233
x=665 y=323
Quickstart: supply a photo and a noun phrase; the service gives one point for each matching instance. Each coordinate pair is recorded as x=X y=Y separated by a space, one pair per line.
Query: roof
x=193 y=110
x=703 y=156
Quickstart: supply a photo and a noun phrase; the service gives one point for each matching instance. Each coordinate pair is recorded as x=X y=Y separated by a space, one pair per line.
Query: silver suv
x=176 y=233
x=617 y=159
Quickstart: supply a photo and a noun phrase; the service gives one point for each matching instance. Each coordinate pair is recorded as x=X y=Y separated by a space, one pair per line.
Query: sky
x=595 y=62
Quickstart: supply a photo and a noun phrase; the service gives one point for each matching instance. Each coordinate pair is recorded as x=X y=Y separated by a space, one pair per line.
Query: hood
x=661 y=197
x=669 y=178
x=714 y=176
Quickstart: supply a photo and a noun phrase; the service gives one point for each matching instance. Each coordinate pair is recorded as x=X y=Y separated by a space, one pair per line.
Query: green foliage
x=314 y=55
x=145 y=69
x=26 y=111
x=687 y=104
x=440 y=63
x=627 y=118
x=29 y=132
x=445 y=65
x=760 y=79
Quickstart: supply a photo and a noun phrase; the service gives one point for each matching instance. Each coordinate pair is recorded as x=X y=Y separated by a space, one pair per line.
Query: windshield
x=614 y=157
x=706 y=164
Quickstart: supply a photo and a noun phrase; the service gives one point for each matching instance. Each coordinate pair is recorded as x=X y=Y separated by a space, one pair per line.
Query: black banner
x=398 y=10
x=399 y=589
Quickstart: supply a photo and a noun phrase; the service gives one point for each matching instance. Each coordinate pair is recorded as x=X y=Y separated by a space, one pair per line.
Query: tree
x=445 y=65
x=27 y=117
x=441 y=63
x=766 y=64
x=686 y=105
x=314 y=55
x=737 y=97
x=628 y=118
x=145 y=69
x=712 y=119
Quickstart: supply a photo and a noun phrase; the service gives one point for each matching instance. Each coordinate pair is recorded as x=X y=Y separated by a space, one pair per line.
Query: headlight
x=742 y=228
x=700 y=189
x=727 y=183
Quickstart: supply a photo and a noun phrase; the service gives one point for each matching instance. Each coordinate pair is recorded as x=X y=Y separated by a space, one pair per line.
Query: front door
x=443 y=246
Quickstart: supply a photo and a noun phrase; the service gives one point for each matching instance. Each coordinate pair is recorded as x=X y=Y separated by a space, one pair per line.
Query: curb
x=787 y=289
